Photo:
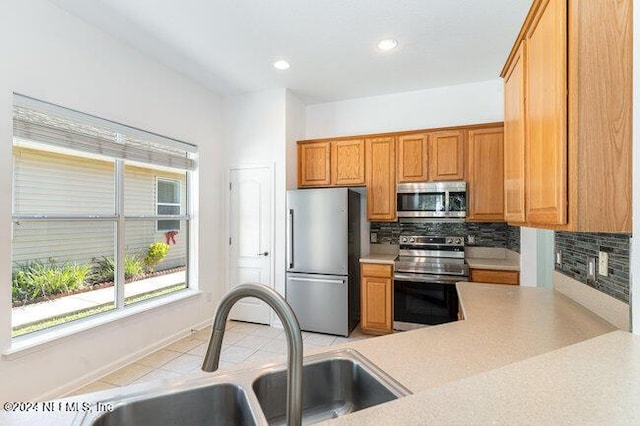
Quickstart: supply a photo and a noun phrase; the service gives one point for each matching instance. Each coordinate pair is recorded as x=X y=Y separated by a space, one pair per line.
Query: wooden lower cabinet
x=493 y=276
x=376 y=298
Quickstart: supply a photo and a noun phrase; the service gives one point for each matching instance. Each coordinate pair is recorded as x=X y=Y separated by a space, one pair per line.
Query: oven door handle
x=425 y=278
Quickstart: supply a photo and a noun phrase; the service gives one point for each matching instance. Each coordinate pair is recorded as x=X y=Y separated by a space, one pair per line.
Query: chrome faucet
x=291 y=328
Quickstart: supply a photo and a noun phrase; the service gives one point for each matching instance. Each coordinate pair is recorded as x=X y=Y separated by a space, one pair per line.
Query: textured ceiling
x=230 y=45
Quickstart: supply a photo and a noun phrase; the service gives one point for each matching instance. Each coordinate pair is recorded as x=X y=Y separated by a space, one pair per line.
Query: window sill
x=25 y=345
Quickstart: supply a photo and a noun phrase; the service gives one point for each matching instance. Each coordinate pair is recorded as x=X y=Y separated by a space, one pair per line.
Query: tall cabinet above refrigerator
x=323 y=251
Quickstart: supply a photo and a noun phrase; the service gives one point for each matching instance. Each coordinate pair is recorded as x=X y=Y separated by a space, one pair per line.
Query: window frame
x=158 y=203
x=119 y=219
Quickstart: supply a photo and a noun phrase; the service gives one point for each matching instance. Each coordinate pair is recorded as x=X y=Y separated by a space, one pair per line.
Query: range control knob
x=404 y=239
x=448 y=240
x=458 y=241
x=412 y=240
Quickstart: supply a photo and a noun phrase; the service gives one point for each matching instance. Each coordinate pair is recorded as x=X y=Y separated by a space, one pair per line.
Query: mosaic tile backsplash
x=578 y=247
x=497 y=234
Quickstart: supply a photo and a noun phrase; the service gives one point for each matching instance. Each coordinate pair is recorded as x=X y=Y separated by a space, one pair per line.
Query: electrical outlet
x=374 y=237
x=559 y=258
x=471 y=239
x=591 y=269
x=603 y=263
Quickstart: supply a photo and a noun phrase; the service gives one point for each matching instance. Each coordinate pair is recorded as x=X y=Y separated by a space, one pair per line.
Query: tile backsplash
x=578 y=247
x=497 y=234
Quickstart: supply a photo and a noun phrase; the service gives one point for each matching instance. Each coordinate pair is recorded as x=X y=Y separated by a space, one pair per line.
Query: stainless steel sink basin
x=334 y=384
x=331 y=388
x=220 y=404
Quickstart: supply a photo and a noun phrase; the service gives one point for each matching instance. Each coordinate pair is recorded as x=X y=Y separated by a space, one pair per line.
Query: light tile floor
x=243 y=343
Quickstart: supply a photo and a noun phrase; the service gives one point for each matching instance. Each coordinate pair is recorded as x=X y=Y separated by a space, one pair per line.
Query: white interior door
x=250 y=234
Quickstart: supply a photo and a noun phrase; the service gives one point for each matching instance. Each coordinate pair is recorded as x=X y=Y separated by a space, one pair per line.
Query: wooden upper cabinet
x=347 y=162
x=575 y=59
x=314 y=160
x=380 y=171
x=446 y=151
x=514 y=137
x=485 y=175
x=546 y=103
x=413 y=158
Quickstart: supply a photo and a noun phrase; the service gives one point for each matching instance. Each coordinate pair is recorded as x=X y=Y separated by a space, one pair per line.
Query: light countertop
x=387 y=259
x=522 y=356
x=492 y=258
x=493 y=263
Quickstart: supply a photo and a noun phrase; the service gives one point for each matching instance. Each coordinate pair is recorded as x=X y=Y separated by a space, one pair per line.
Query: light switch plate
x=373 y=237
x=603 y=263
x=559 y=258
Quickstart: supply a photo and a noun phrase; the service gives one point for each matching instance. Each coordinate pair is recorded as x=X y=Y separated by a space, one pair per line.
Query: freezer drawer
x=320 y=302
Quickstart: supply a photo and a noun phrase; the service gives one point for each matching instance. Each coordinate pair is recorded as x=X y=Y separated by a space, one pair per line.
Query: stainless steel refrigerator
x=323 y=252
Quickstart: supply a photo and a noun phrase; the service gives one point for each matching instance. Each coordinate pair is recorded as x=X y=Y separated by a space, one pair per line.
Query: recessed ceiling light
x=387 y=44
x=281 y=65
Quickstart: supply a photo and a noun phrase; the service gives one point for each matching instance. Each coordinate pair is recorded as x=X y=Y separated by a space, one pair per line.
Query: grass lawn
x=72 y=316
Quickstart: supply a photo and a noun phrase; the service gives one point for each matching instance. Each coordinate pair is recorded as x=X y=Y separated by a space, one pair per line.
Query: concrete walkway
x=77 y=302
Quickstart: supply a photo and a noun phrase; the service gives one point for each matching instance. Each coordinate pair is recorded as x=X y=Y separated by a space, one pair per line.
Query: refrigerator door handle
x=290 y=242
x=317 y=280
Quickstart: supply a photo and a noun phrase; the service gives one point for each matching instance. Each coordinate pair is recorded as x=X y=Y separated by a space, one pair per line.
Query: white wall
x=295 y=129
x=444 y=106
x=50 y=55
x=255 y=134
x=528 y=257
x=262 y=128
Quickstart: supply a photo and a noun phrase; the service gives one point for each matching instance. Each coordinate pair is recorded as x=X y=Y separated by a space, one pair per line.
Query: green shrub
x=35 y=279
x=155 y=254
x=104 y=267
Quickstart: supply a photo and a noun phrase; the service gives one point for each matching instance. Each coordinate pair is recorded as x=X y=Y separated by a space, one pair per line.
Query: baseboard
x=74 y=385
x=611 y=309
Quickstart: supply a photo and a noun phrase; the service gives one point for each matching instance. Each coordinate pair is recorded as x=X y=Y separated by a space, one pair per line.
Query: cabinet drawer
x=494 y=277
x=377 y=270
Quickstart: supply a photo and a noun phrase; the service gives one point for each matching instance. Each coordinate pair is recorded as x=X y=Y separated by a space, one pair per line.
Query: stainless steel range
x=426 y=271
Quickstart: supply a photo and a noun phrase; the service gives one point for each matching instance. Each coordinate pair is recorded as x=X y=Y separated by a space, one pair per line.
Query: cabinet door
x=486 y=174
x=314 y=164
x=412 y=158
x=377 y=301
x=380 y=171
x=347 y=162
x=446 y=151
x=514 y=137
x=546 y=103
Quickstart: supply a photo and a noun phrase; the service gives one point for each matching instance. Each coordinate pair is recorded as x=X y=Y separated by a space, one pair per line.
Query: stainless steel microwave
x=432 y=199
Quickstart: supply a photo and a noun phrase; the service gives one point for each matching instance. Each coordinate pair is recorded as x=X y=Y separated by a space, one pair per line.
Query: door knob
x=266 y=253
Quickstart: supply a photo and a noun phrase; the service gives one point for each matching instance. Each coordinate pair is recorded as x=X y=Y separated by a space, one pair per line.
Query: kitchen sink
x=331 y=388
x=219 y=404
x=334 y=384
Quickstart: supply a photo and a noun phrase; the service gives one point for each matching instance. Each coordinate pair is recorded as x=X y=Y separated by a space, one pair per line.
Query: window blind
x=51 y=124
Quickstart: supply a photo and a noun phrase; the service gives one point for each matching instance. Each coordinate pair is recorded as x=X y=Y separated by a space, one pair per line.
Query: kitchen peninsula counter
x=522 y=355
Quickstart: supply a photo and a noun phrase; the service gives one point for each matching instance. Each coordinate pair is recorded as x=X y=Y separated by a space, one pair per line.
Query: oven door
x=425 y=299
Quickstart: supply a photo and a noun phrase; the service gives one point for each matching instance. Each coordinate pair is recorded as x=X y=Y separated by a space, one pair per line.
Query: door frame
x=227 y=231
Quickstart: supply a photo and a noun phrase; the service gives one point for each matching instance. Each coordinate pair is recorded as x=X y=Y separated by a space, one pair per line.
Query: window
x=168 y=203
x=90 y=228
